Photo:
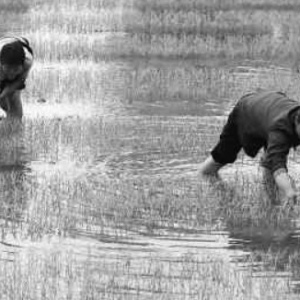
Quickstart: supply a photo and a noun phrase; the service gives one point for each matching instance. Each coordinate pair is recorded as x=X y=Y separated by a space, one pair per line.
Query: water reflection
x=14 y=170
x=271 y=250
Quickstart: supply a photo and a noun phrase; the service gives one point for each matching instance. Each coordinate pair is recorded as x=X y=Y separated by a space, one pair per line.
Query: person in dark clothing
x=268 y=120
x=16 y=59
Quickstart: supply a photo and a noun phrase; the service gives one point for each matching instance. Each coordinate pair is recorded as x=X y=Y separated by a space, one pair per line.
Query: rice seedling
x=153 y=201
x=217 y=5
x=65 y=275
x=166 y=34
x=209 y=88
x=110 y=143
x=158 y=34
x=230 y=29
x=92 y=208
x=87 y=20
x=69 y=81
x=52 y=203
x=79 y=4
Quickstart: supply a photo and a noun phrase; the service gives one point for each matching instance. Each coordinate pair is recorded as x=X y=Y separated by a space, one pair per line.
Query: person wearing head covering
x=16 y=59
x=264 y=119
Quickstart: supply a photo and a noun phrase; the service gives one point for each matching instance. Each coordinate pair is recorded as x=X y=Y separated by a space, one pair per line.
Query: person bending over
x=16 y=59
x=264 y=119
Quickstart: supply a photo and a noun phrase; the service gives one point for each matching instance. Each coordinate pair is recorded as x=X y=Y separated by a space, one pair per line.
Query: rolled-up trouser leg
x=210 y=167
x=229 y=145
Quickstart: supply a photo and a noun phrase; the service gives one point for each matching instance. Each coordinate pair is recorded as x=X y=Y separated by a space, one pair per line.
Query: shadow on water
x=267 y=235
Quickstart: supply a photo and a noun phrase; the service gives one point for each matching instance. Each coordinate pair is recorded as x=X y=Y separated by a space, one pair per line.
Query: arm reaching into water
x=284 y=183
x=278 y=148
x=11 y=87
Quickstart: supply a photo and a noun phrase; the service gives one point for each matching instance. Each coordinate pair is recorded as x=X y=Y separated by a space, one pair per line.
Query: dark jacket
x=265 y=119
x=27 y=62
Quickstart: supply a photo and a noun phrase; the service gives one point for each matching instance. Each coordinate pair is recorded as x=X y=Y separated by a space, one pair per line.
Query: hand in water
x=290 y=199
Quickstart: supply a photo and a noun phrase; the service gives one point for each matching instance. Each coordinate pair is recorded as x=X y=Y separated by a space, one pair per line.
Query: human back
x=262 y=119
x=264 y=111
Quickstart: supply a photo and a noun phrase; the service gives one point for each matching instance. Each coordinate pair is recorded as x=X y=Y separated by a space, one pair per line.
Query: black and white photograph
x=149 y=149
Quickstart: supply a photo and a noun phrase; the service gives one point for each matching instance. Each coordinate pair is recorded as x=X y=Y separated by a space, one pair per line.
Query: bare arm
x=278 y=148
x=284 y=183
x=19 y=82
x=11 y=88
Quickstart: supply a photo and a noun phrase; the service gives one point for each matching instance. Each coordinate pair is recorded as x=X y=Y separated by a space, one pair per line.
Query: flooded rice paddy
x=100 y=192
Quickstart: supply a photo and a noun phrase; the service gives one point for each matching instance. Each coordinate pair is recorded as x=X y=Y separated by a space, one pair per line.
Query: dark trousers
x=229 y=145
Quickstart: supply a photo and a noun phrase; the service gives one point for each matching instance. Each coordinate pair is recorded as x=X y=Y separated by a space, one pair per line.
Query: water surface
x=101 y=192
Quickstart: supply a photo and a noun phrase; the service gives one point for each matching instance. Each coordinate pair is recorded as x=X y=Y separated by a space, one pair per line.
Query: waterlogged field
x=100 y=196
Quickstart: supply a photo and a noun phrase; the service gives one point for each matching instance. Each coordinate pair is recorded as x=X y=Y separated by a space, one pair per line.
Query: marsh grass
x=53 y=205
x=123 y=32
x=68 y=82
x=175 y=83
x=155 y=34
x=78 y=5
x=210 y=7
x=116 y=191
x=65 y=275
x=219 y=32
x=200 y=84
x=122 y=46
x=239 y=20
x=87 y=20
